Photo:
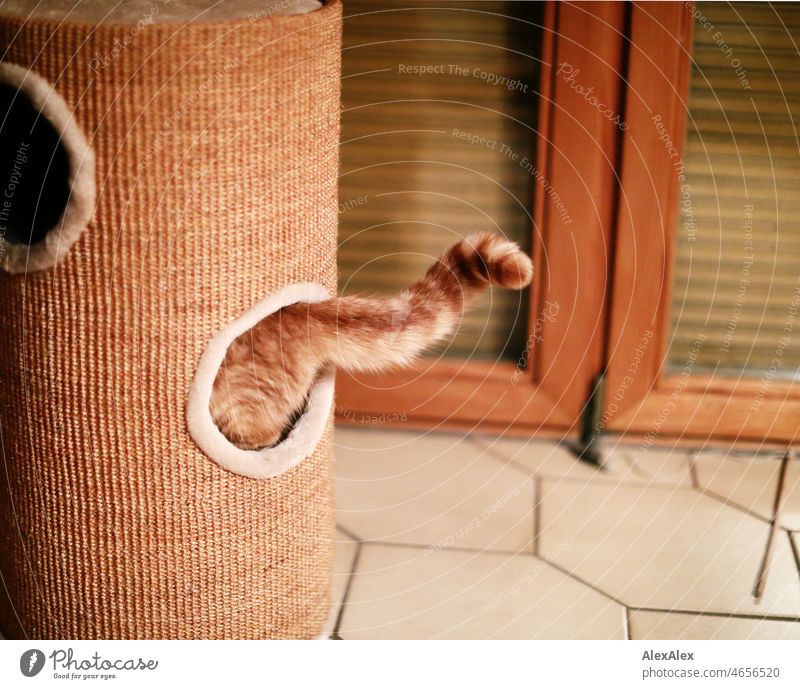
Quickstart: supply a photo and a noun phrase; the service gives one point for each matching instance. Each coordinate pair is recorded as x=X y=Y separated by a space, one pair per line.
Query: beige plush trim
x=307 y=432
x=21 y=258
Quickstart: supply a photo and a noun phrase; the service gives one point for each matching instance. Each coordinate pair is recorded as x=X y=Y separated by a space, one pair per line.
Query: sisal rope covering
x=216 y=165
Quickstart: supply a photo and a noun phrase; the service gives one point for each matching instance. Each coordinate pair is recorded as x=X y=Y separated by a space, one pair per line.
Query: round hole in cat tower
x=307 y=431
x=48 y=187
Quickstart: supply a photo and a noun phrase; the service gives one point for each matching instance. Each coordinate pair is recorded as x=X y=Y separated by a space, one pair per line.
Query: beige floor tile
x=410 y=593
x=343 y=561
x=664 y=548
x=670 y=625
x=751 y=482
x=646 y=465
x=437 y=490
x=540 y=457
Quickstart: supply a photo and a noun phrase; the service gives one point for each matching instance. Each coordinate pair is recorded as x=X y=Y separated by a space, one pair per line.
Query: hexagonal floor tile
x=411 y=593
x=438 y=490
x=666 y=548
x=539 y=457
x=648 y=624
x=750 y=482
x=646 y=465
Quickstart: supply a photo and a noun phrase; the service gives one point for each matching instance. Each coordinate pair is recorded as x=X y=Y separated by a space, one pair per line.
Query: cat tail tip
x=501 y=261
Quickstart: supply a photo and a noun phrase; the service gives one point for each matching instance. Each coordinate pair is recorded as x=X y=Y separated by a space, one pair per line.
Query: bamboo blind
x=414 y=77
x=738 y=254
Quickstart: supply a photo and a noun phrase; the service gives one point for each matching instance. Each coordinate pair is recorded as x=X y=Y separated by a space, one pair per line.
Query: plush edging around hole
x=303 y=438
x=21 y=258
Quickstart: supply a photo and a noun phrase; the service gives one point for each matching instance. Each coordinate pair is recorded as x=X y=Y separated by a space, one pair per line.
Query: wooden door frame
x=578 y=155
x=641 y=396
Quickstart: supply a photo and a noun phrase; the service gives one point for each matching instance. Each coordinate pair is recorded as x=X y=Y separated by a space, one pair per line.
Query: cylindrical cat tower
x=167 y=183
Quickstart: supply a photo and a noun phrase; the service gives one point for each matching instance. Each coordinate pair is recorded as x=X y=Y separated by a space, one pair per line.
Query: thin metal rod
x=774 y=525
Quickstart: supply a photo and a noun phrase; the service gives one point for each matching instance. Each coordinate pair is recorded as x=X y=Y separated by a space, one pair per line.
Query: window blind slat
x=737 y=271
x=408 y=187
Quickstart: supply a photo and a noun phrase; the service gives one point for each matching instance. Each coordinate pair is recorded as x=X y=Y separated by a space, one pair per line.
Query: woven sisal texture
x=217 y=154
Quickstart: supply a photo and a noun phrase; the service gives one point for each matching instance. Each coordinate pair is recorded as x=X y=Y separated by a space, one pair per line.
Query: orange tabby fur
x=267 y=372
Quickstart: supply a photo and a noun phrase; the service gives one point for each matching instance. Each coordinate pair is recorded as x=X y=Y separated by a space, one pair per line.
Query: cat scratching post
x=178 y=185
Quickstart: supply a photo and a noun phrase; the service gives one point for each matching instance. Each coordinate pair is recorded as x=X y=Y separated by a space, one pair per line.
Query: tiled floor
x=446 y=536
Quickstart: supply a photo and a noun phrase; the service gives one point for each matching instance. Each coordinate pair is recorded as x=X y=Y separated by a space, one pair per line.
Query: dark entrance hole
x=34 y=166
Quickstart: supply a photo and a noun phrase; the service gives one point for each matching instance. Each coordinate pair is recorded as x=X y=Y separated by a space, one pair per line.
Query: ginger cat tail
x=262 y=385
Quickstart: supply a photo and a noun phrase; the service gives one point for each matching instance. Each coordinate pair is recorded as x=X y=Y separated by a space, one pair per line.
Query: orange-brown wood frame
x=642 y=396
x=577 y=145
x=607 y=273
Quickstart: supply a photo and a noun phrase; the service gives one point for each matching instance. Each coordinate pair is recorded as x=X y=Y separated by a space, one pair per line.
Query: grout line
x=520 y=553
x=727 y=447
x=611 y=480
x=603 y=478
x=496 y=454
x=726 y=615
x=348 y=533
x=733 y=505
x=426 y=547
x=537 y=513
x=793 y=547
x=347 y=588
x=580 y=580
x=626 y=623
x=491 y=448
x=693 y=471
